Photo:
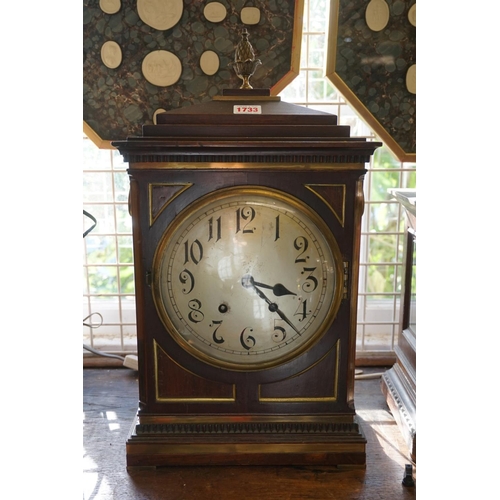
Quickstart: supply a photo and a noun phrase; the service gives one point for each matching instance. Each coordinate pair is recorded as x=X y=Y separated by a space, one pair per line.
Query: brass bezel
x=247 y=191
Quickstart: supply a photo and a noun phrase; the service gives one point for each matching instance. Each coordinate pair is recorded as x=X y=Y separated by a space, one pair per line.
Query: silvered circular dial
x=247 y=278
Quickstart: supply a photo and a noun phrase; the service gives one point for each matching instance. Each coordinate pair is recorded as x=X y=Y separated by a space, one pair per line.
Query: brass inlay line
x=183 y=400
x=321 y=399
x=340 y=217
x=183 y=186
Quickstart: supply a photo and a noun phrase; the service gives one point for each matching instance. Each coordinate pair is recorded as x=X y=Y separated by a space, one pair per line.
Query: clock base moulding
x=242 y=441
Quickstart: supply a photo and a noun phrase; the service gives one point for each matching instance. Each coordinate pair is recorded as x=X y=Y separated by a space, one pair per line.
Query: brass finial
x=245 y=63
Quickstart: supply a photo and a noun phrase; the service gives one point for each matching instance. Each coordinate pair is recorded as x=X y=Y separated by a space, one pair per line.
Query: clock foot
x=408 y=477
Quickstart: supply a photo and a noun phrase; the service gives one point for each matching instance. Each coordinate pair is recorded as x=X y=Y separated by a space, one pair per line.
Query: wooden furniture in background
x=399 y=384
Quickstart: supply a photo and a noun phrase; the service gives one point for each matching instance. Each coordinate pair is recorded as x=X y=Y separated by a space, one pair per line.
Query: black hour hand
x=279 y=290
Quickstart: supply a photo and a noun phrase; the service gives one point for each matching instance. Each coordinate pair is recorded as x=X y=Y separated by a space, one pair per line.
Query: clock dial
x=247 y=278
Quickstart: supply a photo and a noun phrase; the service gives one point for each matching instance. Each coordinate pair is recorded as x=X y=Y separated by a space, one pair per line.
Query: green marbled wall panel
x=370 y=68
x=117 y=102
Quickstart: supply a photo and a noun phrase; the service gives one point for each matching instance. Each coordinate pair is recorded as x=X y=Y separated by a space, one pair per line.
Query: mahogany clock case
x=193 y=411
x=175 y=400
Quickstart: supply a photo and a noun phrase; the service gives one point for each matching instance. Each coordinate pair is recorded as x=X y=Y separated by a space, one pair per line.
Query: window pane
x=296 y=90
x=303 y=52
x=305 y=17
x=93 y=157
x=319 y=89
x=409 y=179
x=104 y=215
x=117 y=159
x=381 y=182
x=380 y=279
x=383 y=158
x=349 y=117
x=383 y=248
x=97 y=186
x=122 y=186
x=128 y=310
x=127 y=279
x=318 y=15
x=125 y=250
x=103 y=279
x=85 y=289
x=316 y=56
x=384 y=217
x=124 y=221
x=101 y=249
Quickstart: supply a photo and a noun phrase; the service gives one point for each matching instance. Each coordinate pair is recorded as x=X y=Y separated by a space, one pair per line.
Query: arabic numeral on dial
x=301 y=244
x=279 y=334
x=302 y=311
x=246 y=340
x=244 y=216
x=195 y=315
x=277 y=227
x=214 y=227
x=311 y=282
x=186 y=277
x=193 y=252
x=215 y=338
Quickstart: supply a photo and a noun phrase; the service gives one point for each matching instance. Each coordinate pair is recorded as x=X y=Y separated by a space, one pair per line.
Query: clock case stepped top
x=205 y=130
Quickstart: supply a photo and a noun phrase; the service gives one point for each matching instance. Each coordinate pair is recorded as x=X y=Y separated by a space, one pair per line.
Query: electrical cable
x=85 y=346
x=358 y=375
x=91 y=349
x=368 y=376
x=89 y=316
x=100 y=353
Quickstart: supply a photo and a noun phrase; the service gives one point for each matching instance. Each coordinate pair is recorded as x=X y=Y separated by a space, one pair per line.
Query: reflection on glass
x=225 y=269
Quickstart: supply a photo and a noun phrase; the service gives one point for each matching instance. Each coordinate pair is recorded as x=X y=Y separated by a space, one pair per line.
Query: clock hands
x=248 y=282
x=278 y=289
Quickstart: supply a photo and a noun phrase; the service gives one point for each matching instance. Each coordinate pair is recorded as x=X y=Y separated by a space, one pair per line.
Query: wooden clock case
x=194 y=413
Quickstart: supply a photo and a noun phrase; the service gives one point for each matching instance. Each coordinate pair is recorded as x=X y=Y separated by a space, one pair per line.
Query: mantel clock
x=246 y=223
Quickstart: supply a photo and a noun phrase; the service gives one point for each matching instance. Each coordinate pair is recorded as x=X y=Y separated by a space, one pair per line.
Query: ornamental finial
x=245 y=63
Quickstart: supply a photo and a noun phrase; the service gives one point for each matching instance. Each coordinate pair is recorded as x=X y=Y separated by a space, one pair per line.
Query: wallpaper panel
x=372 y=61
x=177 y=38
